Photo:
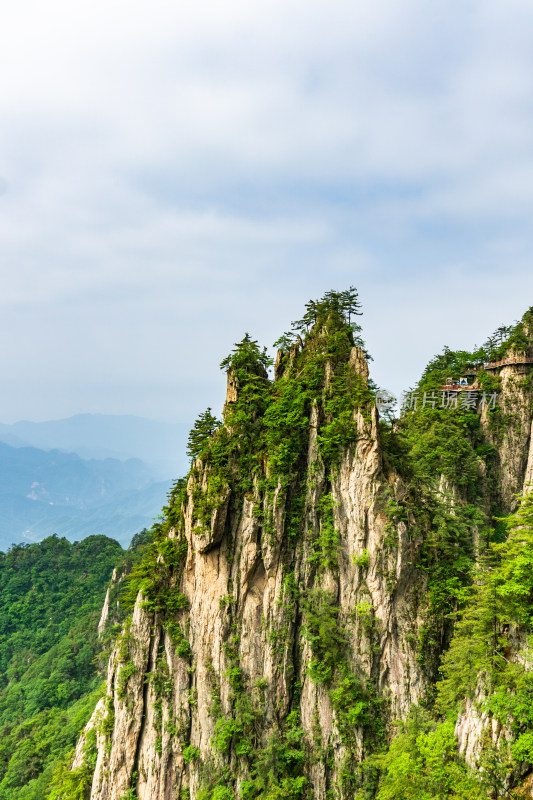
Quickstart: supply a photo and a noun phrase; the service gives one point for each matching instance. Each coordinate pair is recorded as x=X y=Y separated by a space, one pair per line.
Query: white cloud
x=173 y=174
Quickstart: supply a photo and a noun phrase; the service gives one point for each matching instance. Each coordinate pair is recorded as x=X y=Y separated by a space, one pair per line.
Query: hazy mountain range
x=89 y=474
x=160 y=444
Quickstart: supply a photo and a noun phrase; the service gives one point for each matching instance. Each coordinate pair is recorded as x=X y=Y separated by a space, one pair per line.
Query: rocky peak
x=298 y=595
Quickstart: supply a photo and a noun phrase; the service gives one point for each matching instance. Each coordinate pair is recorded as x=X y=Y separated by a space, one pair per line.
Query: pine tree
x=204 y=427
x=349 y=301
x=342 y=304
x=247 y=356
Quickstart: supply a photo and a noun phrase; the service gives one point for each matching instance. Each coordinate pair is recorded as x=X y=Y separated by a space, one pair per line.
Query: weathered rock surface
x=512 y=440
x=236 y=571
x=514 y=445
x=242 y=614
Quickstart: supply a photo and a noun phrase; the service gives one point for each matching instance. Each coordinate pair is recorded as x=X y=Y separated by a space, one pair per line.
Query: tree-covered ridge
x=482 y=667
x=488 y=661
x=51 y=595
x=441 y=461
x=265 y=429
x=43 y=587
x=479 y=583
x=516 y=338
x=266 y=426
x=335 y=308
x=449 y=466
x=510 y=338
x=450 y=441
x=260 y=449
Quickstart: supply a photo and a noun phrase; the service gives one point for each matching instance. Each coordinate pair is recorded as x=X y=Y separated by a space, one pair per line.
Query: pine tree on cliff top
x=204 y=427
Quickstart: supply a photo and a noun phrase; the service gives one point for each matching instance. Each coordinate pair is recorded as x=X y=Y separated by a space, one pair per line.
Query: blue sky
x=173 y=175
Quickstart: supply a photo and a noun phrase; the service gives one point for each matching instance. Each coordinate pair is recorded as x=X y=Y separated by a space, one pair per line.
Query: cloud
x=175 y=174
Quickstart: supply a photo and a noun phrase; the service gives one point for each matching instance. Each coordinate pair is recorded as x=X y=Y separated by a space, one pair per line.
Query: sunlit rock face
x=289 y=601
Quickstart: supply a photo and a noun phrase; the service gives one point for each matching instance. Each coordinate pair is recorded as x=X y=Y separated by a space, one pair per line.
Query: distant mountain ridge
x=161 y=445
x=59 y=478
x=45 y=492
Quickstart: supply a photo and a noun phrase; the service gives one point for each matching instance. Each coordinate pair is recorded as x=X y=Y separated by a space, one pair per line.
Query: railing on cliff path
x=507 y=362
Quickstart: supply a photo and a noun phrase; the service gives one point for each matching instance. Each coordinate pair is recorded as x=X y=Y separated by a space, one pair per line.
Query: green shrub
x=422 y=764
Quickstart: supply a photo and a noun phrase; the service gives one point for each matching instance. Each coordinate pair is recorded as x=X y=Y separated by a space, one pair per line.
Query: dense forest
x=51 y=597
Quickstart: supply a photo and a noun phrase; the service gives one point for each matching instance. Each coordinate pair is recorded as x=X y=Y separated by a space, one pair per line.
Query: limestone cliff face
x=249 y=593
x=512 y=437
x=513 y=442
x=294 y=604
x=528 y=480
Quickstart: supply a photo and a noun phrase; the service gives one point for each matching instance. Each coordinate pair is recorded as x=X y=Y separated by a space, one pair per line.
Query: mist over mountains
x=90 y=474
x=161 y=445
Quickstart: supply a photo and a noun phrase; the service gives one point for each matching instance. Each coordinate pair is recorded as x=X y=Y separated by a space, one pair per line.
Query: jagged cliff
x=296 y=599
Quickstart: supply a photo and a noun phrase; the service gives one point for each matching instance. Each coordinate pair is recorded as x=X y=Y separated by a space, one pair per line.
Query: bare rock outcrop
x=250 y=585
x=288 y=592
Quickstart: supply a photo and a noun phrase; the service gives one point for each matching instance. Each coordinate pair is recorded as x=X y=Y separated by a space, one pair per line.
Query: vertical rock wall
x=243 y=614
x=180 y=717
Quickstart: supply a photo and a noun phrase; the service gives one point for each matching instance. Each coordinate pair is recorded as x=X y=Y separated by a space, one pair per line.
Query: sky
x=173 y=175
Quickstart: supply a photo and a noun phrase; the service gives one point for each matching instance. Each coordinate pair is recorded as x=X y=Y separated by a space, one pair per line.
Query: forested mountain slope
x=321 y=574
x=51 y=595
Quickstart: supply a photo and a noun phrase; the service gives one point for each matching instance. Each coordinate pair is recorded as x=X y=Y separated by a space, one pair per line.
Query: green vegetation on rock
x=360 y=528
